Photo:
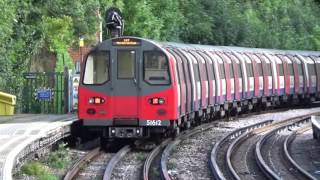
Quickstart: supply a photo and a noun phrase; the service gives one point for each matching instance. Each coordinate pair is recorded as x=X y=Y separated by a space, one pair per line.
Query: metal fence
x=45 y=92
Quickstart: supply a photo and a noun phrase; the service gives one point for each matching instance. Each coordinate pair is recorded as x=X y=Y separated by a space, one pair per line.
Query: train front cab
x=128 y=89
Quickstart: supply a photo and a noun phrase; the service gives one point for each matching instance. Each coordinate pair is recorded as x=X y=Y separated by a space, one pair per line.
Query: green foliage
x=29 y=27
x=58 y=159
x=37 y=170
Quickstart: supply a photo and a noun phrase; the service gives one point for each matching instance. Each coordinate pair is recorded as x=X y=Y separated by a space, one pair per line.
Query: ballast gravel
x=190 y=159
x=130 y=167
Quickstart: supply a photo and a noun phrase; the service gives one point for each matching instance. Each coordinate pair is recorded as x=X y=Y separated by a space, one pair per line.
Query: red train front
x=127 y=89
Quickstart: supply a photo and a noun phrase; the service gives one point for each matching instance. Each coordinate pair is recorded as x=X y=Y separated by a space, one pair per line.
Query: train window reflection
x=96 y=68
x=156 y=69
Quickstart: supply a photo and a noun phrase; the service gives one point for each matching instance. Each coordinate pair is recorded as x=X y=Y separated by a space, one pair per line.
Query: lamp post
x=81 y=44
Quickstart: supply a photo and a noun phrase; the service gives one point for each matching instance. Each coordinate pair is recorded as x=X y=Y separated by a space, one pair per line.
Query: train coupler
x=126 y=132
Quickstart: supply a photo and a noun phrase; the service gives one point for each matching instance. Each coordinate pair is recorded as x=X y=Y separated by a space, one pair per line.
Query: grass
x=58 y=159
x=38 y=170
x=141 y=156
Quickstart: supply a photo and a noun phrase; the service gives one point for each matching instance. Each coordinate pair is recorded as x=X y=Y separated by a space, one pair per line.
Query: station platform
x=23 y=134
x=315 y=120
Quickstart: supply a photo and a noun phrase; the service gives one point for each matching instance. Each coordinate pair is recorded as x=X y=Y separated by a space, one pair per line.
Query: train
x=131 y=87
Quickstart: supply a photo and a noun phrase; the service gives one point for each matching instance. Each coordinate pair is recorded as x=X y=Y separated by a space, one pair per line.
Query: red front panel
x=146 y=111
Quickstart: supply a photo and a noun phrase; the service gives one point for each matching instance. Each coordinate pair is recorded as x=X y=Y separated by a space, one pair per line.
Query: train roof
x=223 y=48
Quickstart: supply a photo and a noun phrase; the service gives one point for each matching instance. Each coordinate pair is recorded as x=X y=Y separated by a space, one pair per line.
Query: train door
x=189 y=92
x=125 y=82
x=274 y=74
x=265 y=74
x=237 y=76
x=317 y=63
x=243 y=79
x=256 y=75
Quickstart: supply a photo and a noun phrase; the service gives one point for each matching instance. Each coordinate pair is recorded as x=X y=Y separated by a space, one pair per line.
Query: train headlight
x=91 y=100
x=156 y=101
x=161 y=101
x=96 y=100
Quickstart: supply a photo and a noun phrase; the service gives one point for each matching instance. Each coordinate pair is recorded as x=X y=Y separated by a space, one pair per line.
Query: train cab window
x=291 y=69
x=97 y=68
x=126 y=64
x=156 y=69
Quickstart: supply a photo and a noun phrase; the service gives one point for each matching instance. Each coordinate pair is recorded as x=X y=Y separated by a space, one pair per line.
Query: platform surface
x=18 y=130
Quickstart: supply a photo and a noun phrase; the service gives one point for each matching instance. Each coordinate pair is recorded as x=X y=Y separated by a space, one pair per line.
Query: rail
x=115 y=159
x=258 y=154
x=215 y=169
x=287 y=155
x=81 y=163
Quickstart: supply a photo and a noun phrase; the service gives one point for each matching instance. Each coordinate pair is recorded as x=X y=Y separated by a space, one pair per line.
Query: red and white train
x=133 y=87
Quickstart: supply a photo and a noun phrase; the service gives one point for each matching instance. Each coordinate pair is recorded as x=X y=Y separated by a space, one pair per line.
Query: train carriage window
x=239 y=71
x=196 y=72
x=291 y=69
x=249 y=69
x=231 y=70
x=281 y=70
x=210 y=66
x=221 y=69
x=300 y=69
x=260 y=71
x=311 y=69
x=270 y=70
x=179 y=66
x=97 y=68
x=156 y=68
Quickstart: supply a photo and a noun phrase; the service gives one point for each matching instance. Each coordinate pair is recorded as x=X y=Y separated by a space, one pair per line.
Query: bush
x=58 y=159
x=37 y=170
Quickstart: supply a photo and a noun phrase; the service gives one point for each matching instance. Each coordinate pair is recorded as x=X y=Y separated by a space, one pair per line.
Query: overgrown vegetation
x=29 y=27
x=38 y=170
x=42 y=170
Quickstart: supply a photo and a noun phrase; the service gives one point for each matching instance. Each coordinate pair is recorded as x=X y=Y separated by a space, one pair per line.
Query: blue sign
x=44 y=94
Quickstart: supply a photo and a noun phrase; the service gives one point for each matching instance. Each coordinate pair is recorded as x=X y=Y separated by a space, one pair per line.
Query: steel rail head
x=165 y=155
x=80 y=163
x=230 y=150
x=151 y=157
x=288 y=156
x=258 y=154
x=215 y=169
x=115 y=159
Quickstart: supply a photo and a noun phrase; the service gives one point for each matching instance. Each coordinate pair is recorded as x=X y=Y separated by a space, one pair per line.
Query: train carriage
x=132 y=87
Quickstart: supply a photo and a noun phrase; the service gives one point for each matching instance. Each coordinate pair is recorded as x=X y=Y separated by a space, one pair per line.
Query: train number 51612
x=154 y=122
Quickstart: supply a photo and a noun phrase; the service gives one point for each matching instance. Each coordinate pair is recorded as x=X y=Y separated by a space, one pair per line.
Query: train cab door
x=125 y=82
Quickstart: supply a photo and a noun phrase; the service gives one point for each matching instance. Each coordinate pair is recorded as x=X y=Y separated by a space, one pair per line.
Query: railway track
x=160 y=154
x=255 y=152
x=232 y=157
x=289 y=139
